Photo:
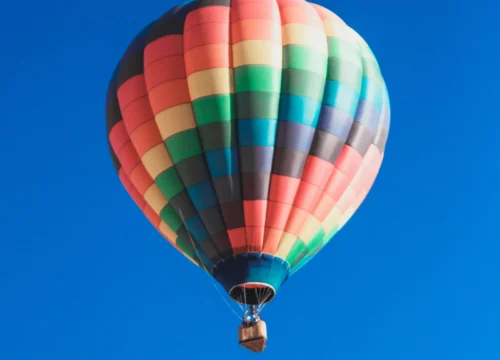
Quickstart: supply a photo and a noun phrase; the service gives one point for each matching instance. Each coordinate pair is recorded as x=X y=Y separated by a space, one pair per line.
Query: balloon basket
x=254 y=336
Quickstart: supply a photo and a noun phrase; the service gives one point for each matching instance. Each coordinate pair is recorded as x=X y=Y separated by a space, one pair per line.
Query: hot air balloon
x=248 y=132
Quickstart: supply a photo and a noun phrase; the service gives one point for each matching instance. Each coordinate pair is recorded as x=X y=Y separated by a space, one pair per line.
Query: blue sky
x=415 y=274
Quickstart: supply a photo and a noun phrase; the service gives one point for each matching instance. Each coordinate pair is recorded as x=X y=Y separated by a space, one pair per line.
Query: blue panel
x=257 y=132
x=372 y=92
x=251 y=267
x=299 y=109
x=341 y=96
x=202 y=195
x=335 y=121
x=223 y=162
x=368 y=115
x=197 y=229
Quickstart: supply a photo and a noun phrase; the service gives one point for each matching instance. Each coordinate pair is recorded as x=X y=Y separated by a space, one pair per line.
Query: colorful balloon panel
x=248 y=132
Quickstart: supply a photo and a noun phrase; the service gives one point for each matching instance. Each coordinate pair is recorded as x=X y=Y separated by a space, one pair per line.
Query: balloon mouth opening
x=252 y=293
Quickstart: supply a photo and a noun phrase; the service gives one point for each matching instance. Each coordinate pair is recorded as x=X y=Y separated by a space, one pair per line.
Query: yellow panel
x=331 y=220
x=168 y=232
x=311 y=227
x=210 y=82
x=286 y=244
x=175 y=119
x=345 y=218
x=157 y=160
x=257 y=52
x=300 y=34
x=333 y=29
x=154 y=197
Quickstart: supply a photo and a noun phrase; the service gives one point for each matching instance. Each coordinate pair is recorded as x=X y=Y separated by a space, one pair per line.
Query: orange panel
x=256 y=29
x=324 y=207
x=146 y=137
x=208 y=57
x=151 y=215
x=141 y=178
x=168 y=94
x=296 y=221
x=299 y=13
x=326 y=14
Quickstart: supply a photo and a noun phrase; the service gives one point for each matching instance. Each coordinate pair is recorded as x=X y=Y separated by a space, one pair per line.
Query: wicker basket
x=253 y=337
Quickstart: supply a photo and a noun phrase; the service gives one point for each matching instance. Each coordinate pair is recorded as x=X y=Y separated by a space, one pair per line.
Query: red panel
x=255 y=238
x=128 y=157
x=317 y=171
x=272 y=239
x=151 y=215
x=337 y=184
x=299 y=12
x=137 y=113
x=205 y=34
x=247 y=9
x=136 y=196
x=348 y=161
x=146 y=137
x=283 y=188
x=118 y=136
x=132 y=89
x=255 y=212
x=307 y=196
x=165 y=69
x=326 y=14
x=165 y=46
x=238 y=239
x=277 y=214
x=206 y=15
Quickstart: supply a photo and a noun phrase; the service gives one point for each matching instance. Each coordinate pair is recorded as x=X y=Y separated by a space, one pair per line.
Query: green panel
x=170 y=217
x=345 y=72
x=169 y=183
x=298 y=251
x=187 y=248
x=317 y=240
x=331 y=234
x=257 y=78
x=214 y=108
x=303 y=83
x=184 y=145
x=257 y=105
x=372 y=71
x=303 y=57
x=345 y=50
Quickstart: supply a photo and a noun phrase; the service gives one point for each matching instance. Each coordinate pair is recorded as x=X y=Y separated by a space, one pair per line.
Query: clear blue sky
x=414 y=275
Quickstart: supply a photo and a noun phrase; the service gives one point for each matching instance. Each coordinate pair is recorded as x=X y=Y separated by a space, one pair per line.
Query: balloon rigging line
x=205 y=268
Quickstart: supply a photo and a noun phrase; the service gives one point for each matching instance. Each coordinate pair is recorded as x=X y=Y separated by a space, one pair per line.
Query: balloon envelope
x=248 y=132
